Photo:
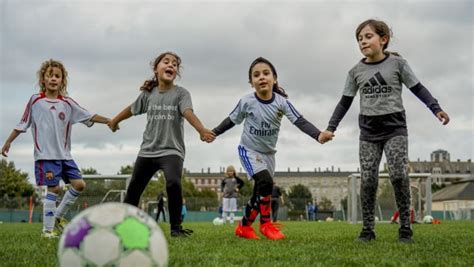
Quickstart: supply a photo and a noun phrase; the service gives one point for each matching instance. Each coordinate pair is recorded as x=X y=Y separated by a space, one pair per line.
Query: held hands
x=325 y=136
x=443 y=117
x=5 y=149
x=113 y=125
x=207 y=135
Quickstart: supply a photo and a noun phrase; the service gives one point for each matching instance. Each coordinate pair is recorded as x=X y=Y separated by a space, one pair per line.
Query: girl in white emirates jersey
x=51 y=114
x=261 y=113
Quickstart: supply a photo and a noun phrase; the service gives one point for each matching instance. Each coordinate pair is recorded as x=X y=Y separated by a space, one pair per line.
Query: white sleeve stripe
x=293 y=109
x=238 y=104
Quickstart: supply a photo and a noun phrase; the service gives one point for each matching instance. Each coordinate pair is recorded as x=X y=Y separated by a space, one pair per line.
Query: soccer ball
x=218 y=221
x=428 y=219
x=113 y=234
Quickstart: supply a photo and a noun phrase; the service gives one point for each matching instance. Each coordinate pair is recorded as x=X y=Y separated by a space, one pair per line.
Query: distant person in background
x=310 y=211
x=184 y=210
x=219 y=210
x=230 y=187
x=396 y=214
x=315 y=210
x=161 y=207
x=277 y=198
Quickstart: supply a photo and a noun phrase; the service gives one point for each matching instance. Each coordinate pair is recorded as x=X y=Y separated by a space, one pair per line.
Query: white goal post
x=428 y=177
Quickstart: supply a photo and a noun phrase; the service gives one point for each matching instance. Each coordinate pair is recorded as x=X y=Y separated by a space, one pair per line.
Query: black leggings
x=144 y=170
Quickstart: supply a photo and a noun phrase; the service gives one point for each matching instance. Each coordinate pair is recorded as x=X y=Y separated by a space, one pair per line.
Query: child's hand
x=325 y=136
x=443 y=117
x=5 y=149
x=207 y=135
x=113 y=125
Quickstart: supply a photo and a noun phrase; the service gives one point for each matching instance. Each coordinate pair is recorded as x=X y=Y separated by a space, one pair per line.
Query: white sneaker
x=49 y=234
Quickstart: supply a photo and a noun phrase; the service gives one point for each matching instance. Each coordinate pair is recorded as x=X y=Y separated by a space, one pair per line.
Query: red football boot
x=271 y=231
x=246 y=232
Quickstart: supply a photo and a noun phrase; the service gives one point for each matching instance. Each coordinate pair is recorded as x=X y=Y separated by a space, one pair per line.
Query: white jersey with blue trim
x=51 y=123
x=262 y=120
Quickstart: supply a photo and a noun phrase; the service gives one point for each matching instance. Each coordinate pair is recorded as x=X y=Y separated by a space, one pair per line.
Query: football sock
x=265 y=209
x=251 y=212
x=49 y=210
x=68 y=200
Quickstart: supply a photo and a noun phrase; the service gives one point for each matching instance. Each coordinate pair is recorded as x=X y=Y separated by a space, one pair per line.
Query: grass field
x=307 y=244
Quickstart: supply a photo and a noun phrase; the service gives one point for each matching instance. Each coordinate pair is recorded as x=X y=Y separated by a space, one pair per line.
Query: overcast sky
x=107 y=47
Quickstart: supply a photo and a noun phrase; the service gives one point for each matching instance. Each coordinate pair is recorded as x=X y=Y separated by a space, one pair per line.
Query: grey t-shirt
x=164 y=134
x=380 y=85
x=228 y=186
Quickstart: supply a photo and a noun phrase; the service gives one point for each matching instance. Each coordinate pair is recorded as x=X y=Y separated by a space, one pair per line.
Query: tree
x=98 y=188
x=189 y=190
x=436 y=187
x=325 y=204
x=386 y=197
x=89 y=170
x=156 y=185
x=94 y=188
x=206 y=198
x=13 y=182
x=247 y=190
x=299 y=195
x=127 y=169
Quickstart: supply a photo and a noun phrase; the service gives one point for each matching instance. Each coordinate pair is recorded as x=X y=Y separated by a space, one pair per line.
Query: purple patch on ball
x=76 y=233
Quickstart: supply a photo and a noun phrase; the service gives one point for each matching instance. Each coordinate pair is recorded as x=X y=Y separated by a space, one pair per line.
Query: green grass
x=307 y=244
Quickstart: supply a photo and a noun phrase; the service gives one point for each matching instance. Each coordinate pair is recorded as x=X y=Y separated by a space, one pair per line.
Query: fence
x=199 y=209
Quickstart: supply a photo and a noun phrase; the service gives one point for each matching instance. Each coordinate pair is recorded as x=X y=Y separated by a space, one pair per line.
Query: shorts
x=50 y=172
x=229 y=204
x=255 y=162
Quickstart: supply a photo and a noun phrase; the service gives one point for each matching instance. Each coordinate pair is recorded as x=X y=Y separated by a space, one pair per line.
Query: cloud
x=107 y=47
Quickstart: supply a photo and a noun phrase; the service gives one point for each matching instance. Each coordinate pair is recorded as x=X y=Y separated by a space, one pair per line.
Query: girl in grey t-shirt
x=378 y=78
x=165 y=104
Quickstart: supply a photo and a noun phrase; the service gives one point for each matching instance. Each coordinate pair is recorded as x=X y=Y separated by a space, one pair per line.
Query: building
x=456 y=200
x=441 y=164
x=330 y=184
x=461 y=191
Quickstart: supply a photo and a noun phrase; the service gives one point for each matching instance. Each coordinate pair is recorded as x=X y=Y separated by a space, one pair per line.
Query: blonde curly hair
x=46 y=68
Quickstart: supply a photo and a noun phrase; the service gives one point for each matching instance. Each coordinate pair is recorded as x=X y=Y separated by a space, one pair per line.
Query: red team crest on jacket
x=61 y=115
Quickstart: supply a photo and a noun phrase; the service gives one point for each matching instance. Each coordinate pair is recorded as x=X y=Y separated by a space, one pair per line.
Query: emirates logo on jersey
x=62 y=116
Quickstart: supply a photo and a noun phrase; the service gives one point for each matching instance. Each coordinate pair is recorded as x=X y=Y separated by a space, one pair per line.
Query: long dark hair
x=148 y=85
x=276 y=88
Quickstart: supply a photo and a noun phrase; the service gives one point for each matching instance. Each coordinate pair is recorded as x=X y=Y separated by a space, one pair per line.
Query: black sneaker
x=178 y=231
x=366 y=235
x=404 y=235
